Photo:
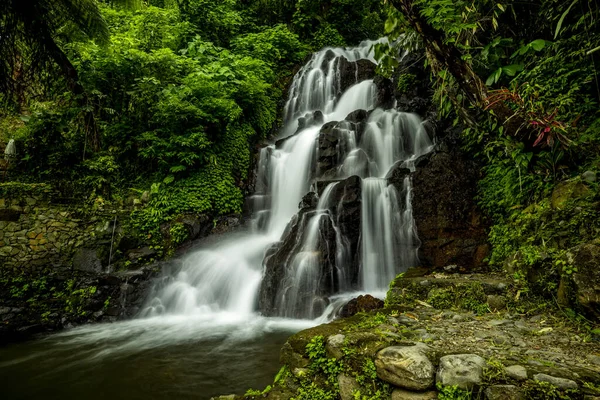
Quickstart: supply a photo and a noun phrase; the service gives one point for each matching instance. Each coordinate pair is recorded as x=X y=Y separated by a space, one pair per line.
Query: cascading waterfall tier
x=326 y=221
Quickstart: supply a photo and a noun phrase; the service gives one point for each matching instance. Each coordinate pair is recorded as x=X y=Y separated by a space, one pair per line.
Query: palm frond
x=84 y=14
x=28 y=33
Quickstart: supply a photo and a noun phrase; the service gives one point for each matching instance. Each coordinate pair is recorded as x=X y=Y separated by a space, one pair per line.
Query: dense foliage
x=169 y=96
x=522 y=78
x=173 y=96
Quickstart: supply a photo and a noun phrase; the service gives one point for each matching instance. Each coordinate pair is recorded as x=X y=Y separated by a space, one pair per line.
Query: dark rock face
x=352 y=73
x=88 y=260
x=329 y=154
x=346 y=209
x=333 y=144
x=310 y=119
x=116 y=296
x=344 y=214
x=412 y=88
x=449 y=224
x=360 y=304
x=586 y=281
x=279 y=263
x=310 y=201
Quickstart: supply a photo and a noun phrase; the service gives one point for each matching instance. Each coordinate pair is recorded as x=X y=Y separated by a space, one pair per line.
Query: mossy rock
x=447 y=291
x=566 y=191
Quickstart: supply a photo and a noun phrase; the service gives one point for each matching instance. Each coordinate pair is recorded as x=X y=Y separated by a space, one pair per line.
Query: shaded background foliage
x=179 y=90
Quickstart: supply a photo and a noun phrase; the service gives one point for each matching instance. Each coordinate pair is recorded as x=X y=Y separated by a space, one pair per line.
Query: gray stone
x=517 y=372
x=499 y=322
x=424 y=335
x=560 y=383
x=589 y=176
x=503 y=392
x=587 y=278
x=522 y=327
x=496 y=303
x=536 y=318
x=404 y=320
x=594 y=359
x=462 y=370
x=497 y=337
x=400 y=394
x=405 y=366
x=347 y=386
x=87 y=260
x=334 y=346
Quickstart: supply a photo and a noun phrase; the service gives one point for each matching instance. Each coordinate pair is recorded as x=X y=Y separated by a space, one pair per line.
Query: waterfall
x=300 y=260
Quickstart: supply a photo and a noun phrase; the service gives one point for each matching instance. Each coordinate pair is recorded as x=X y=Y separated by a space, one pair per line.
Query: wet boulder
x=333 y=146
x=361 y=303
x=411 y=85
x=337 y=241
x=286 y=290
x=310 y=119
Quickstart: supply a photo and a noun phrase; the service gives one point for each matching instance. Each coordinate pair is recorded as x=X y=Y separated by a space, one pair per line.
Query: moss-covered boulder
x=585 y=277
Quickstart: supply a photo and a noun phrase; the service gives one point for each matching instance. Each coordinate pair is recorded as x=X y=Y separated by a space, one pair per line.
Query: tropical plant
x=30 y=35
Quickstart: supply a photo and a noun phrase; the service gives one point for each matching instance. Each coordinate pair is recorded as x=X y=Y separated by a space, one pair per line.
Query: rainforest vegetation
x=172 y=97
x=102 y=97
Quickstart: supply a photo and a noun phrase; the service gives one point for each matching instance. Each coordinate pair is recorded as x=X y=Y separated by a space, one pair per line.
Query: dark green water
x=161 y=359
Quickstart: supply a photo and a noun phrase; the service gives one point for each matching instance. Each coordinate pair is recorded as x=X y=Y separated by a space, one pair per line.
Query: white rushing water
x=227 y=277
x=203 y=314
x=216 y=288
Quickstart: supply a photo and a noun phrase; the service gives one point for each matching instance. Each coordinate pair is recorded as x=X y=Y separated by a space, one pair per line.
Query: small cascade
x=389 y=239
x=393 y=136
x=379 y=222
x=353 y=231
x=319 y=84
x=290 y=173
x=300 y=296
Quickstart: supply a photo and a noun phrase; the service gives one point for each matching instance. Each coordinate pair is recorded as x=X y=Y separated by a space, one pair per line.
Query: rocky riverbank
x=444 y=336
x=63 y=263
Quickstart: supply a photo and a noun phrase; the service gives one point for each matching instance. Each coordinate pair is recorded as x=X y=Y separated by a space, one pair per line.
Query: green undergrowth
x=44 y=294
x=321 y=379
x=468 y=296
x=536 y=390
x=320 y=366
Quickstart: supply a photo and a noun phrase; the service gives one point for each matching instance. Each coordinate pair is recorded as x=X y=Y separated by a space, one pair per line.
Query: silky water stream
x=201 y=332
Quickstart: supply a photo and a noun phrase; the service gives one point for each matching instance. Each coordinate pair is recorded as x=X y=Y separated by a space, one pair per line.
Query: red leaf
x=539 y=139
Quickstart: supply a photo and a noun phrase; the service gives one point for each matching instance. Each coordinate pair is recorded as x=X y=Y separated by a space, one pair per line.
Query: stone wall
x=54 y=263
x=34 y=231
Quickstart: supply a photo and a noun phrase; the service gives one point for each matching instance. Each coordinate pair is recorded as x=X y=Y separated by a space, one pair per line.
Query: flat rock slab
x=400 y=394
x=462 y=370
x=405 y=367
x=348 y=386
x=517 y=372
x=560 y=383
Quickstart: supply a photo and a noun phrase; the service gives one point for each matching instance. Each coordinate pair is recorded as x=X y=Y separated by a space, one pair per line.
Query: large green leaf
x=562 y=19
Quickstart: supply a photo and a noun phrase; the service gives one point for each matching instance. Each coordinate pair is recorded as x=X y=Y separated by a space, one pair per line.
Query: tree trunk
x=448 y=57
x=72 y=77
